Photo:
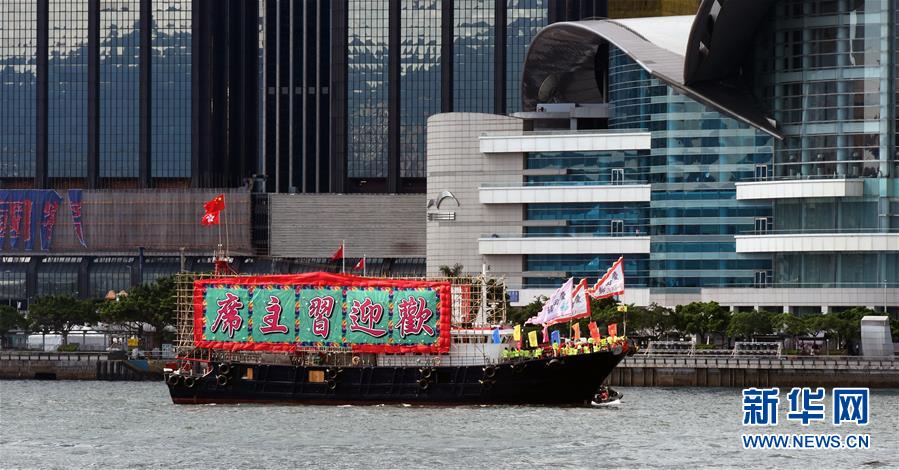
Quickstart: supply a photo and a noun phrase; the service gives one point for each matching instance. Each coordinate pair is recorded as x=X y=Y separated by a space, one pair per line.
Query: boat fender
x=489 y=371
x=224 y=368
x=331 y=373
x=174 y=379
x=189 y=382
x=426 y=372
x=356 y=360
x=486 y=384
x=519 y=368
x=424 y=384
x=222 y=380
x=553 y=362
x=332 y=384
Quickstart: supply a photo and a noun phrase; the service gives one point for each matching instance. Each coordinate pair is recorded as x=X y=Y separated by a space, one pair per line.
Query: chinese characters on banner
x=29 y=216
x=301 y=311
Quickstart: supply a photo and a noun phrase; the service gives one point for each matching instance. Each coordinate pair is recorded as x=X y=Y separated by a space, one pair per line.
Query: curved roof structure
x=565 y=64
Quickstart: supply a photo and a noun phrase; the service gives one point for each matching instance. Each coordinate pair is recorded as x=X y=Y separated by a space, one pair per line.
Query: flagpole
x=364 y=266
x=343 y=256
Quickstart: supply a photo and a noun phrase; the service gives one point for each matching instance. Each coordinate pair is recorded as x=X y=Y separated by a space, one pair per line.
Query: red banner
x=316 y=311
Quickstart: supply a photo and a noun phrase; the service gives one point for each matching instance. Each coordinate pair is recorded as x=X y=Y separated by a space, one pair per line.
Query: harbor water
x=134 y=425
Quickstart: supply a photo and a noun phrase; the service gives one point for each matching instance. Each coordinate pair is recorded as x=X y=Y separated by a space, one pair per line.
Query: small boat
x=606 y=397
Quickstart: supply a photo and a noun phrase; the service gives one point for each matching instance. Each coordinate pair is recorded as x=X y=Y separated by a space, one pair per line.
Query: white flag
x=558 y=305
x=580 y=306
x=611 y=284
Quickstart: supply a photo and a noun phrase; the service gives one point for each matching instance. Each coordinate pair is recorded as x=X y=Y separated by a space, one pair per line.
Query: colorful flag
x=360 y=265
x=611 y=284
x=558 y=305
x=338 y=255
x=532 y=339
x=516 y=333
x=216 y=204
x=580 y=305
x=555 y=337
x=622 y=308
x=594 y=331
x=576 y=328
x=75 y=203
x=613 y=329
x=496 y=338
x=545 y=334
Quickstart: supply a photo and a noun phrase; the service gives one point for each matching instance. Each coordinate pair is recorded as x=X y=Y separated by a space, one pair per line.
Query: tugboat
x=322 y=338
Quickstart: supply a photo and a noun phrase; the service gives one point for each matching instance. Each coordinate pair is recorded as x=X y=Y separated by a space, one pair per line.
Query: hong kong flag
x=360 y=265
x=210 y=218
x=338 y=255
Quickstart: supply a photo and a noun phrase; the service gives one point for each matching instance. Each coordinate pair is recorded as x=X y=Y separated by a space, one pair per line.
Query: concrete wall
x=378 y=225
x=456 y=164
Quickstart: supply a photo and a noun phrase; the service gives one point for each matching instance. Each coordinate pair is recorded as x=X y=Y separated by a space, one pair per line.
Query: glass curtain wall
x=474 y=45
x=524 y=18
x=367 y=91
x=119 y=88
x=18 y=87
x=697 y=155
x=67 y=37
x=170 y=116
x=828 y=86
x=420 y=44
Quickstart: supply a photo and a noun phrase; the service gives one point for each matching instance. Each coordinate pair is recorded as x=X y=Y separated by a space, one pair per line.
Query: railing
x=567 y=235
x=566 y=132
x=53 y=356
x=541 y=184
x=782 y=362
x=827 y=231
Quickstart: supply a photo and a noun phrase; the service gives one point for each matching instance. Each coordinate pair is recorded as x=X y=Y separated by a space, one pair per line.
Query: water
x=134 y=425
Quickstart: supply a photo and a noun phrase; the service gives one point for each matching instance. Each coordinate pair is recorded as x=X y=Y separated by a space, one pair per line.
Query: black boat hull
x=568 y=380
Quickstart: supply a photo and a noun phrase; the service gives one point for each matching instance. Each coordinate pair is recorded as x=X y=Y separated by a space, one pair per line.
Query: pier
x=27 y=365
x=730 y=371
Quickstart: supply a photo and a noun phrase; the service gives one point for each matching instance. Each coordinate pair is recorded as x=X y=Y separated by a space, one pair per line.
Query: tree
x=61 y=313
x=745 y=325
x=702 y=319
x=454 y=271
x=148 y=304
x=10 y=319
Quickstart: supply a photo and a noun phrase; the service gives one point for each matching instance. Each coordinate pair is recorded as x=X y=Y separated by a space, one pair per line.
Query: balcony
x=506 y=193
x=779 y=242
x=794 y=188
x=561 y=245
x=565 y=141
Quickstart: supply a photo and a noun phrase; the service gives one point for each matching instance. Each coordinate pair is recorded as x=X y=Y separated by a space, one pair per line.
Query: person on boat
x=603 y=394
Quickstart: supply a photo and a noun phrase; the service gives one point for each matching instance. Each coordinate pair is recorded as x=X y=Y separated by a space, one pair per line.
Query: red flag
x=594 y=331
x=215 y=204
x=360 y=265
x=210 y=218
x=577 y=330
x=613 y=329
x=338 y=255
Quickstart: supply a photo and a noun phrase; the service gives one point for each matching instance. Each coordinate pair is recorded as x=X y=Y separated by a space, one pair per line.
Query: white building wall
x=456 y=164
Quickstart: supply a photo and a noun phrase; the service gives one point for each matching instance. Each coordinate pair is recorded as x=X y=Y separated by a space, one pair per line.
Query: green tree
x=745 y=325
x=795 y=326
x=61 y=313
x=10 y=319
x=150 y=304
x=703 y=319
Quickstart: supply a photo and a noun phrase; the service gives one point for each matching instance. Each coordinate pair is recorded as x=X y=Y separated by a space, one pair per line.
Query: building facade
x=757 y=180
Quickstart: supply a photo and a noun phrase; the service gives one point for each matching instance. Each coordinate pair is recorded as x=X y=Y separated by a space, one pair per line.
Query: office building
x=718 y=169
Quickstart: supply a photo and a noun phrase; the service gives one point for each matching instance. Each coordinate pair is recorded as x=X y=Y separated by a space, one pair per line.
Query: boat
x=453 y=355
x=606 y=396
